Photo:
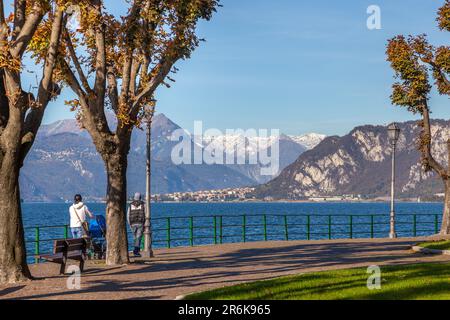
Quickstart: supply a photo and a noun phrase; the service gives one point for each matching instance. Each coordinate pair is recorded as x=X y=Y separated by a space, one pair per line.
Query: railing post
x=308 y=227
x=191 y=231
x=265 y=227
x=436 y=223
x=168 y=232
x=66 y=232
x=286 y=229
x=244 y=227
x=215 y=230
x=351 y=227
x=329 y=227
x=36 y=245
x=220 y=230
x=372 y=233
x=415 y=225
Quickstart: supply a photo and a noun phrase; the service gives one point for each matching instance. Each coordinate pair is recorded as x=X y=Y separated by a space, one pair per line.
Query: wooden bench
x=69 y=249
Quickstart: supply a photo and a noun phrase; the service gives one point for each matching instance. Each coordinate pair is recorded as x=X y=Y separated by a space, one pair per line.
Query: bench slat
x=75 y=241
x=59 y=246
x=76 y=247
x=72 y=249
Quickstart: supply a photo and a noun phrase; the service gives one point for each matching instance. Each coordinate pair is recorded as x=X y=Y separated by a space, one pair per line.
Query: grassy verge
x=438 y=245
x=421 y=281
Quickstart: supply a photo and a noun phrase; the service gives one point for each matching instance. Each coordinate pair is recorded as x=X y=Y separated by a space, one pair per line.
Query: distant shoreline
x=260 y=202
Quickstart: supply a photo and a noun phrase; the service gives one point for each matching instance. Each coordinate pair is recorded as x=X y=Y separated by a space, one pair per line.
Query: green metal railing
x=169 y=232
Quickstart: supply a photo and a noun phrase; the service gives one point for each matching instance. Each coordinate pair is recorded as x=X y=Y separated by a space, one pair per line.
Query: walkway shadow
x=197 y=270
x=6 y=291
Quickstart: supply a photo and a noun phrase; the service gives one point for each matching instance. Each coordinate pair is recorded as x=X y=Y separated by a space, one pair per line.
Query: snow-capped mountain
x=254 y=144
x=64 y=148
x=310 y=140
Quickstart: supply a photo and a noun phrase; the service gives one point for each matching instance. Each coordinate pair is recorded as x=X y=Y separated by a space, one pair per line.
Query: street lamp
x=393 y=134
x=148 y=251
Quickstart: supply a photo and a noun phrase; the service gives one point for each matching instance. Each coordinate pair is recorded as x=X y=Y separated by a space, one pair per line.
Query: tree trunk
x=13 y=264
x=445 y=226
x=116 y=202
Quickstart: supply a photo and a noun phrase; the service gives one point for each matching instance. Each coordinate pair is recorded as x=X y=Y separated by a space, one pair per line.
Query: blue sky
x=297 y=66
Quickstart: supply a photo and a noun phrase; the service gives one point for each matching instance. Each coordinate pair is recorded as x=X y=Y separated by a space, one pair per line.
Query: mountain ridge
x=360 y=163
x=63 y=161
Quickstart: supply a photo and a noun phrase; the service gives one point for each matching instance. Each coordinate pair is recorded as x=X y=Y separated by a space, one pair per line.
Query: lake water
x=185 y=224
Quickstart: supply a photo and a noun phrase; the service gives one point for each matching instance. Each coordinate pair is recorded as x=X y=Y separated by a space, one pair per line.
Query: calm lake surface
x=194 y=224
x=44 y=214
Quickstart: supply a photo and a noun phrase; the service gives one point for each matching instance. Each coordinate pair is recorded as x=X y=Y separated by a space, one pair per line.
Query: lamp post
x=148 y=251
x=393 y=134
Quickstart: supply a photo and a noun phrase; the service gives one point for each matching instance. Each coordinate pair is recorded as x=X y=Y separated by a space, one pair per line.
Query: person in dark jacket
x=136 y=220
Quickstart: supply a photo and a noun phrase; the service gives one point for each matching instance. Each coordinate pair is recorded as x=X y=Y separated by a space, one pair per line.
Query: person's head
x=78 y=198
x=137 y=196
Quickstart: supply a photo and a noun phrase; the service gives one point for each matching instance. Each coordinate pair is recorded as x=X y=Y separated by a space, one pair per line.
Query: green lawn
x=439 y=245
x=422 y=281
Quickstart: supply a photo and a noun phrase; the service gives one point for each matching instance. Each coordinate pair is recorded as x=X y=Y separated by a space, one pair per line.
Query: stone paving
x=181 y=271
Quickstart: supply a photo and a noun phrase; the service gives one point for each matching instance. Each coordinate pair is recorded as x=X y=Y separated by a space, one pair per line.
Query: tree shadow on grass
x=405 y=282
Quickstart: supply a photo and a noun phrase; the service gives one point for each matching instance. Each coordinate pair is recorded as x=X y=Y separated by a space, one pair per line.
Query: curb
x=177 y=298
x=430 y=251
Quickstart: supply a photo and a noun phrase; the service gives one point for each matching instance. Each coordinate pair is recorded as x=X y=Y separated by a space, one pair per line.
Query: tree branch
x=161 y=73
x=437 y=69
x=46 y=88
x=73 y=82
x=112 y=89
x=133 y=76
x=2 y=12
x=3 y=26
x=100 y=66
x=426 y=138
x=129 y=72
x=448 y=157
x=27 y=31
x=4 y=108
x=126 y=75
x=44 y=93
x=19 y=17
x=76 y=62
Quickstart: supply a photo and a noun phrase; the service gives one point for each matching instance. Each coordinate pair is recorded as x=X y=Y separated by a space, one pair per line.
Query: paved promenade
x=181 y=271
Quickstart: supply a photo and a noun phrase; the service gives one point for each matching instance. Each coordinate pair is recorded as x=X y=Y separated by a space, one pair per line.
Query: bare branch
x=160 y=71
x=73 y=83
x=76 y=62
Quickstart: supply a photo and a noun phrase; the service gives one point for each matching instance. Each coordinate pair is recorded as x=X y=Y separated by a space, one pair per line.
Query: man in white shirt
x=79 y=213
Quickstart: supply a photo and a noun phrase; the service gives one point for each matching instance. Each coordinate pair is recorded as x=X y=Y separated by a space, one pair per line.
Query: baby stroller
x=97 y=233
